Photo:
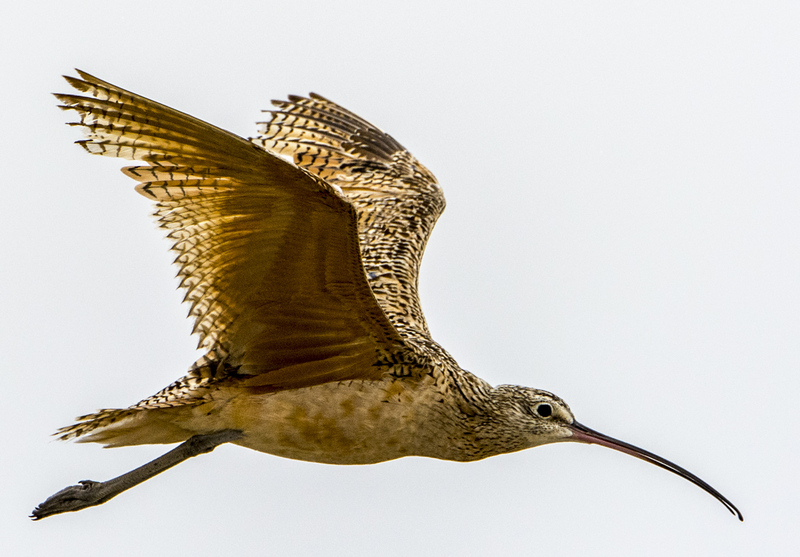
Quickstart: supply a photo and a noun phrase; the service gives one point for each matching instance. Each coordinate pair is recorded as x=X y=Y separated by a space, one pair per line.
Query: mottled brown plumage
x=299 y=252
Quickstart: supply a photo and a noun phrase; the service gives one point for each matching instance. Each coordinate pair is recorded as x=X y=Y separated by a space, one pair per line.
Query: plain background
x=622 y=229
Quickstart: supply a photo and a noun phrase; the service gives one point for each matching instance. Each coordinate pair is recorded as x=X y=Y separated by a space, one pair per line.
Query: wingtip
x=76 y=83
x=67 y=99
x=85 y=76
x=86 y=81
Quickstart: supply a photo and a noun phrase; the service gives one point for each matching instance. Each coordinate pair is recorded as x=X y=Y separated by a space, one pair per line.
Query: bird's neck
x=467 y=425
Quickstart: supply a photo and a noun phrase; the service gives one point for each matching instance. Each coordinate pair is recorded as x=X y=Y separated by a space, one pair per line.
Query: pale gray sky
x=622 y=229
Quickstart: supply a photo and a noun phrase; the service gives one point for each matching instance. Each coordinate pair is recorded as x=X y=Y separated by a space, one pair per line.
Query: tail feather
x=128 y=426
x=154 y=419
x=90 y=422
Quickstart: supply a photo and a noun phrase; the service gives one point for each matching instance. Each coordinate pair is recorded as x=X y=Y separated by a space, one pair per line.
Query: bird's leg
x=90 y=493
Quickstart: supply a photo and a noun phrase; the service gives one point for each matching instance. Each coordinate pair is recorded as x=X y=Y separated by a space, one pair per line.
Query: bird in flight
x=299 y=254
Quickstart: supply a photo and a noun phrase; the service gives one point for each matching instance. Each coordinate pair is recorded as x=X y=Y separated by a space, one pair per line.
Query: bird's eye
x=544 y=410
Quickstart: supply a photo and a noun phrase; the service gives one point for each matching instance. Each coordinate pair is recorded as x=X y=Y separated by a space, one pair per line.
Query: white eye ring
x=543 y=410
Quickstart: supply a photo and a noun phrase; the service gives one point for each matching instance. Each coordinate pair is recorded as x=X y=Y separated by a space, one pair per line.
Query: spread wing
x=397 y=199
x=268 y=252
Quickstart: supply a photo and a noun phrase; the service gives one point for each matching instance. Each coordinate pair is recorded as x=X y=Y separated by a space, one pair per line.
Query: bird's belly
x=358 y=422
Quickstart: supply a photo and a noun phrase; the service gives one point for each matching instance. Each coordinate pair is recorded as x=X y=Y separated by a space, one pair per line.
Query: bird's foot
x=90 y=493
x=73 y=498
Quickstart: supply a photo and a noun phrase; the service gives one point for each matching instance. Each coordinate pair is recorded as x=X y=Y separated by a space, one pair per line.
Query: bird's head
x=536 y=417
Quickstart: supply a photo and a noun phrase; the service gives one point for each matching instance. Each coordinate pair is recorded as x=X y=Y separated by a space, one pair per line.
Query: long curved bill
x=583 y=434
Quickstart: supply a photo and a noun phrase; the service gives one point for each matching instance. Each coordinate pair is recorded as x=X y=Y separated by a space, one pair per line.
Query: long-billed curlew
x=299 y=251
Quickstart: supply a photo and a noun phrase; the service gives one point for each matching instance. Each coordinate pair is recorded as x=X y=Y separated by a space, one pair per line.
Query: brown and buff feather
x=397 y=199
x=269 y=253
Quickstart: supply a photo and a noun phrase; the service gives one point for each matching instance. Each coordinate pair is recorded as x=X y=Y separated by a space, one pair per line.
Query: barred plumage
x=234 y=211
x=299 y=252
x=398 y=200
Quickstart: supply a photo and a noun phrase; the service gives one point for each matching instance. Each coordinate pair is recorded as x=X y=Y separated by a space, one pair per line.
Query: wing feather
x=397 y=199
x=267 y=252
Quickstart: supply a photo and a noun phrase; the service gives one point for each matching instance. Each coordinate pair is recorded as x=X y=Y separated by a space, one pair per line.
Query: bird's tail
x=120 y=427
x=155 y=419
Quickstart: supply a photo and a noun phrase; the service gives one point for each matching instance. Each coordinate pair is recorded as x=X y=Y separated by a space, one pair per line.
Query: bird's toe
x=72 y=498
